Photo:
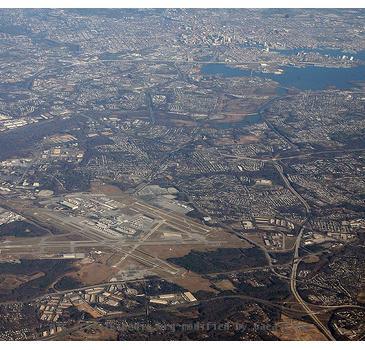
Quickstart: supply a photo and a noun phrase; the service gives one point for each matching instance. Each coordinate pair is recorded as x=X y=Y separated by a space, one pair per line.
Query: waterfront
x=303 y=78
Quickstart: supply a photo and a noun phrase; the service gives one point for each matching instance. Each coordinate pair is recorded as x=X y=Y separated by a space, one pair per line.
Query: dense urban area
x=182 y=174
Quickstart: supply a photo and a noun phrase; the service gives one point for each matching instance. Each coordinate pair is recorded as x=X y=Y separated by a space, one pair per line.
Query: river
x=303 y=78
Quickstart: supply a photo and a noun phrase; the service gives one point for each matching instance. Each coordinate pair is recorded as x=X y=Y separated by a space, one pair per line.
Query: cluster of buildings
x=86 y=203
x=348 y=323
x=164 y=198
x=173 y=299
x=71 y=154
x=124 y=98
x=122 y=224
x=9 y=124
x=269 y=224
x=103 y=214
x=89 y=300
x=317 y=118
x=107 y=299
x=6 y=217
x=18 y=322
x=274 y=241
x=197 y=104
x=225 y=198
x=339 y=283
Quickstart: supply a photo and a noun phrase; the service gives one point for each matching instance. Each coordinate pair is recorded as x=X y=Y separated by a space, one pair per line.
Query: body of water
x=303 y=78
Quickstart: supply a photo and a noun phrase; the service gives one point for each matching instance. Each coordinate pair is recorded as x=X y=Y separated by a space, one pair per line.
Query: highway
x=293 y=287
x=279 y=168
x=150 y=106
x=129 y=248
x=106 y=284
x=296 y=258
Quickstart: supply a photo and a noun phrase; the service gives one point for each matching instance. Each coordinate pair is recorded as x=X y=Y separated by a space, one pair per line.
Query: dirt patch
x=108 y=190
x=310 y=259
x=181 y=122
x=290 y=329
x=111 y=191
x=230 y=240
x=245 y=139
x=15 y=281
x=242 y=140
x=93 y=273
x=94 y=332
x=191 y=281
x=361 y=297
x=256 y=237
x=289 y=242
x=90 y=310
x=225 y=285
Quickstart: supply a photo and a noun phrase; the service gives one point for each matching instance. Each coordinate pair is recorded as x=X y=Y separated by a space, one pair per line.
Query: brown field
x=291 y=329
x=310 y=259
x=93 y=273
x=90 y=310
x=231 y=241
x=361 y=297
x=108 y=190
x=191 y=281
x=15 y=281
x=129 y=264
x=289 y=242
x=191 y=313
x=93 y=332
x=178 y=250
x=256 y=237
x=243 y=140
x=181 y=122
x=188 y=280
x=225 y=285
x=236 y=106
